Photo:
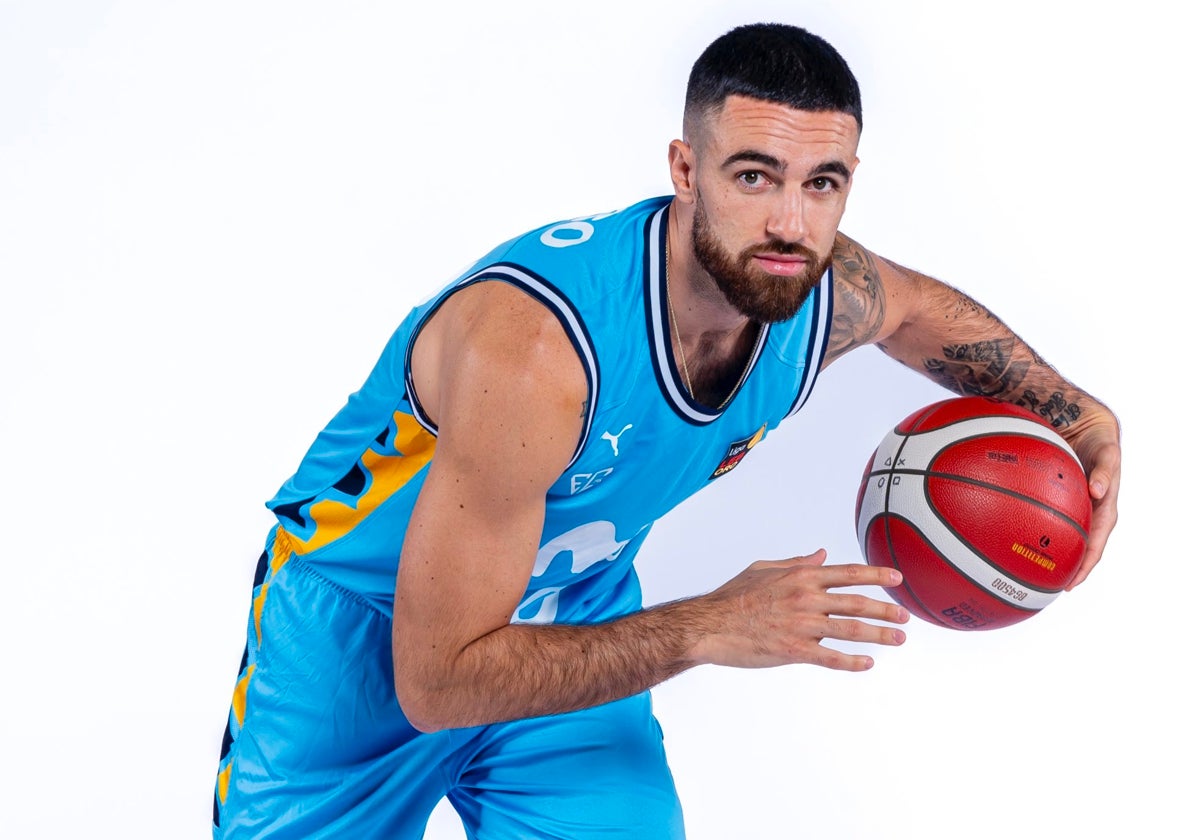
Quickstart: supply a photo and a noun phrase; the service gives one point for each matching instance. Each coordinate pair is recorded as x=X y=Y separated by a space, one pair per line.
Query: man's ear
x=682 y=160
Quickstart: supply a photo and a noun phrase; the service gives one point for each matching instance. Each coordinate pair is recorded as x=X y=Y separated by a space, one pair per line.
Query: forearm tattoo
x=859 y=302
x=984 y=368
x=1056 y=408
x=996 y=367
x=988 y=359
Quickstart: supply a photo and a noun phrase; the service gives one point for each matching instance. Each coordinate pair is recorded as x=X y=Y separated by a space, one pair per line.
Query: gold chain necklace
x=687 y=378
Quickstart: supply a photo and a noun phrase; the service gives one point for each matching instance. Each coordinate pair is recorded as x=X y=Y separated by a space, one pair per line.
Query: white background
x=212 y=215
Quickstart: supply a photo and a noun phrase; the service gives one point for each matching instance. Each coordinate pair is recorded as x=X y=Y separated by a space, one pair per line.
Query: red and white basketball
x=981 y=505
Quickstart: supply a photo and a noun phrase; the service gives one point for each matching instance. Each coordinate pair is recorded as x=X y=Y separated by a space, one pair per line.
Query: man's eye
x=751 y=179
x=822 y=184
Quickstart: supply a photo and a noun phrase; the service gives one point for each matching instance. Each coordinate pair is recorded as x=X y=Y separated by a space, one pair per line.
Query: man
x=448 y=606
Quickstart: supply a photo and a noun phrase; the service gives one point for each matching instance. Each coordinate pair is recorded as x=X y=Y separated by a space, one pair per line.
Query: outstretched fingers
x=850 y=630
x=860 y=606
x=779 y=612
x=859 y=574
x=848 y=617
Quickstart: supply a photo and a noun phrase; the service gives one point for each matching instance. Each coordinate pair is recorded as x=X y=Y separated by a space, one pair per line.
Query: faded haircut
x=772 y=62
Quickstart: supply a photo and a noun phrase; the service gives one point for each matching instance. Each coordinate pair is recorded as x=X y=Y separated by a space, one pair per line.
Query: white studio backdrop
x=212 y=215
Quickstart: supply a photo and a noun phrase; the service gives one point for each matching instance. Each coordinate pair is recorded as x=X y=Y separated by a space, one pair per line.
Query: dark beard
x=757 y=295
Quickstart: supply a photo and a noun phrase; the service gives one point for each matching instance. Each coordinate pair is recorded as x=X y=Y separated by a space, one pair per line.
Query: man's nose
x=787 y=217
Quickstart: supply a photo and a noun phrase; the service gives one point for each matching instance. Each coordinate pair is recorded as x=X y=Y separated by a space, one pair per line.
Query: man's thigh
x=318 y=746
x=599 y=772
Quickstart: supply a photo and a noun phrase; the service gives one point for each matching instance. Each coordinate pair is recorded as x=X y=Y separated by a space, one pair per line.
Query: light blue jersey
x=646 y=445
x=317 y=744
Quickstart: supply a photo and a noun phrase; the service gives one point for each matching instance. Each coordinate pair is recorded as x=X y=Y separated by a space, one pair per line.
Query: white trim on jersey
x=557 y=303
x=818 y=338
x=664 y=358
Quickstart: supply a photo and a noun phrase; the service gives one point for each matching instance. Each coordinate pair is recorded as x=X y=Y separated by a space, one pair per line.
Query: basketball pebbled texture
x=981 y=505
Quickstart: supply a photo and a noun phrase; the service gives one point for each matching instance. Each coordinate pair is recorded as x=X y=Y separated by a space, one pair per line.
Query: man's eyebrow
x=835 y=167
x=751 y=156
x=829 y=167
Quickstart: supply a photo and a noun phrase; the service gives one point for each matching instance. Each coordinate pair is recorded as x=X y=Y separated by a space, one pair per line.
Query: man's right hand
x=779 y=612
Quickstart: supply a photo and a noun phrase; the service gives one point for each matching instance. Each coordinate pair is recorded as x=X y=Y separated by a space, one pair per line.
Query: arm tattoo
x=858 y=300
x=996 y=367
x=980 y=355
x=983 y=368
x=1056 y=409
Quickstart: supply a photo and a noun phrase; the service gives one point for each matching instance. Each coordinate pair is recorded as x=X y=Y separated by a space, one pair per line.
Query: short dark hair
x=773 y=62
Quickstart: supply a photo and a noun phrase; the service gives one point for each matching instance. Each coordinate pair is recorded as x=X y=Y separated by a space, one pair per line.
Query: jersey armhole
x=548 y=295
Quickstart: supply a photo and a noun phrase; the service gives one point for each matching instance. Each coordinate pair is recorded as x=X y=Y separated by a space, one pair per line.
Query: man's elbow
x=421 y=708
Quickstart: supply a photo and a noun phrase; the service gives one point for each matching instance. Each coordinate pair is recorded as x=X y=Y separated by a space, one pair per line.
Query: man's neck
x=711 y=339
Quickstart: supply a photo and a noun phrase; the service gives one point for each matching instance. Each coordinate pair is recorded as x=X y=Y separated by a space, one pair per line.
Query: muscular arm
x=504 y=384
x=958 y=343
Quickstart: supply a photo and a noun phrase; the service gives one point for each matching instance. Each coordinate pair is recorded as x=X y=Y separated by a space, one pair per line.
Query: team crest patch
x=737 y=451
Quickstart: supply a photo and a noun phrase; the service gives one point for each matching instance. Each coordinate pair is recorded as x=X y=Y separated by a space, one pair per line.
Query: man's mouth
x=781 y=265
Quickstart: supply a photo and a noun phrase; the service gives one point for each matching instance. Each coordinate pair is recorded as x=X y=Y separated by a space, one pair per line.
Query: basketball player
x=448 y=606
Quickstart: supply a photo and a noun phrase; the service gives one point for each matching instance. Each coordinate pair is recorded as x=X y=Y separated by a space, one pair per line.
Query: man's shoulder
x=591 y=241
x=578 y=262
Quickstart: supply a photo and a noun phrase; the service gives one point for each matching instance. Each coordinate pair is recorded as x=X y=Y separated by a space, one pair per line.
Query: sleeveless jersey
x=645 y=446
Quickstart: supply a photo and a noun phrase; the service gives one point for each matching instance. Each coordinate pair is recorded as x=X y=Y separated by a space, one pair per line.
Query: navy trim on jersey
x=549 y=296
x=818 y=338
x=659 y=329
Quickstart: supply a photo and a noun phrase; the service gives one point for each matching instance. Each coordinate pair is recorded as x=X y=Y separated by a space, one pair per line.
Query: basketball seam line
x=1005 y=491
x=950 y=564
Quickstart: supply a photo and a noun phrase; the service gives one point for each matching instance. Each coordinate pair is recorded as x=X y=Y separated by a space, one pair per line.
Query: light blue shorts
x=317 y=746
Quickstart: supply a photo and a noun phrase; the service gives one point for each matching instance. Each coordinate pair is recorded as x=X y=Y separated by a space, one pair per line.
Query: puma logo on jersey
x=613 y=439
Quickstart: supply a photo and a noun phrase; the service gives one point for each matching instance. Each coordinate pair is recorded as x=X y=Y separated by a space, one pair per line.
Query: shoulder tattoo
x=858 y=300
